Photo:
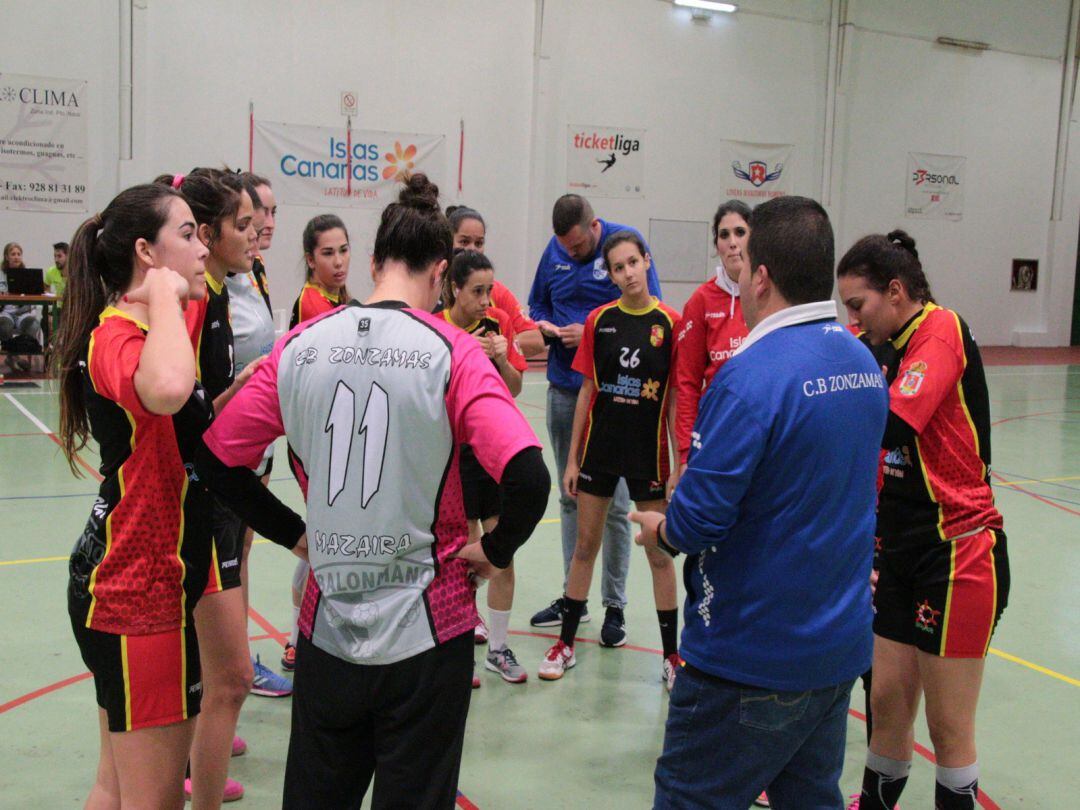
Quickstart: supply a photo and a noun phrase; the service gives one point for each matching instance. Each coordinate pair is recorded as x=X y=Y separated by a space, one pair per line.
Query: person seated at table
x=20 y=324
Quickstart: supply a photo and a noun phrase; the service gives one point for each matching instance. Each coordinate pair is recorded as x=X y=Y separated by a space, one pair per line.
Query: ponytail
x=99 y=269
x=881 y=258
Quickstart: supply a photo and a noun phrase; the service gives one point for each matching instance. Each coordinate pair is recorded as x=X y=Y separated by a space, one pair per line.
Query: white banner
x=42 y=143
x=605 y=161
x=312 y=165
x=935 y=186
x=756 y=172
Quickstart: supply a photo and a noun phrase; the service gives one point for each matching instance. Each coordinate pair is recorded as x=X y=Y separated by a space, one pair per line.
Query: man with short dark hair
x=776 y=510
x=571 y=281
x=56 y=278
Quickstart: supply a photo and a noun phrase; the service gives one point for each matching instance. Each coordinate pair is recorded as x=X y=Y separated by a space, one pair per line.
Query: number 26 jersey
x=627 y=353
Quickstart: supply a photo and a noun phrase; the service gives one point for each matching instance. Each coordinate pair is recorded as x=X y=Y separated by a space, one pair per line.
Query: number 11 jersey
x=376 y=401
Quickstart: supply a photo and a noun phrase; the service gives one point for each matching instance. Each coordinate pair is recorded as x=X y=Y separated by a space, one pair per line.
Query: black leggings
x=403 y=723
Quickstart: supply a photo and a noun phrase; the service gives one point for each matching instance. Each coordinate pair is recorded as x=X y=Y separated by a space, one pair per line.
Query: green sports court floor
x=591 y=739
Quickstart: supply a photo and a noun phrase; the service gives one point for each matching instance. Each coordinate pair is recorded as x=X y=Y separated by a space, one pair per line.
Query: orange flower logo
x=400 y=162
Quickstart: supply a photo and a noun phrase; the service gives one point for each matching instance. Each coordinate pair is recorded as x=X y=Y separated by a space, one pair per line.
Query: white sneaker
x=670 y=670
x=558 y=659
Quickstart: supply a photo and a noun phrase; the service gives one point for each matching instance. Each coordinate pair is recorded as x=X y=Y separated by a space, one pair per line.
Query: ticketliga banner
x=935 y=186
x=331 y=166
x=42 y=143
x=756 y=172
x=605 y=161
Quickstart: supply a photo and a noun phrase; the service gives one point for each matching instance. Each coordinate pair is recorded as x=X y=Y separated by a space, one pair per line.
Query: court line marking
x=1040 y=480
x=22 y=408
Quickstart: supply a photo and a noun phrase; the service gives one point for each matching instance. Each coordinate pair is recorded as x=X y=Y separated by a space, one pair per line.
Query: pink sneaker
x=239 y=746
x=855 y=803
x=762 y=800
x=234 y=791
x=481 y=632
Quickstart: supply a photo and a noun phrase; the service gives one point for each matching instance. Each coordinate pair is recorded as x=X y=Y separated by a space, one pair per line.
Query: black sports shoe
x=613 y=633
x=551 y=616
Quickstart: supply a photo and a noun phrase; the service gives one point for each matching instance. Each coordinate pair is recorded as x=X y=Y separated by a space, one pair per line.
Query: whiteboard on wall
x=681 y=248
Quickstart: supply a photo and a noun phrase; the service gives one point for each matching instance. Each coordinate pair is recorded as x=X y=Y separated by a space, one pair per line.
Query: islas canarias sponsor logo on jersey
x=720 y=355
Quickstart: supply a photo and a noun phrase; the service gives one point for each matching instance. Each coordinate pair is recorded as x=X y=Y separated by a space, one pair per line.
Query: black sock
x=883 y=782
x=669 y=630
x=956 y=788
x=572 y=610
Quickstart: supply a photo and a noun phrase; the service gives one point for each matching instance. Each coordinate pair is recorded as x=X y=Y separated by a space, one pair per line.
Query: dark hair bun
x=452 y=208
x=901 y=238
x=420 y=193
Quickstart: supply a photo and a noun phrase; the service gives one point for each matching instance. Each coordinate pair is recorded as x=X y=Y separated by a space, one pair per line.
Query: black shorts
x=226 y=549
x=602 y=485
x=944 y=598
x=143 y=681
x=403 y=723
x=478 y=489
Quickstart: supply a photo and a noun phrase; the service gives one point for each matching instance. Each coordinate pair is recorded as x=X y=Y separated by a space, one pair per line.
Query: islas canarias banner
x=339 y=167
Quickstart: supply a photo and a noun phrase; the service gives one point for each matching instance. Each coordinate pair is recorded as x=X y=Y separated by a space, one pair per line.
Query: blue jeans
x=616 y=555
x=726 y=742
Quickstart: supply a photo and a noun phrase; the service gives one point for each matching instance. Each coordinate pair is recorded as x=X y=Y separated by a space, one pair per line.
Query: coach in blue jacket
x=776 y=511
x=571 y=281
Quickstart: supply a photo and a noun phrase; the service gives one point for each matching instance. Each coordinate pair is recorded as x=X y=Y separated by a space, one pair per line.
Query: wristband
x=663 y=544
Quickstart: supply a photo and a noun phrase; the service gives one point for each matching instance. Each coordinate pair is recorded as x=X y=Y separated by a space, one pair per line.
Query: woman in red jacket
x=712 y=326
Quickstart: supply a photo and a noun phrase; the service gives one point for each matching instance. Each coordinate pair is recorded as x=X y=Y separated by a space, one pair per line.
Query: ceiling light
x=708 y=5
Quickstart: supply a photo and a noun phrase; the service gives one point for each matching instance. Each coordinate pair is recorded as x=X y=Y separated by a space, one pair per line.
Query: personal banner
x=756 y=172
x=333 y=166
x=935 y=186
x=605 y=161
x=42 y=143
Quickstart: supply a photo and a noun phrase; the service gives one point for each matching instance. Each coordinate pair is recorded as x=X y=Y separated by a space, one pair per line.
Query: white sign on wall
x=935 y=186
x=350 y=104
x=605 y=161
x=756 y=172
x=42 y=143
x=331 y=166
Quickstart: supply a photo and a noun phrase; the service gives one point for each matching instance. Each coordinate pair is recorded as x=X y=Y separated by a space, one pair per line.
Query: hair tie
x=177 y=180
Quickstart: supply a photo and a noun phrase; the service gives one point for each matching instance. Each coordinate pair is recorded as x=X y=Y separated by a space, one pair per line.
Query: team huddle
x=805 y=469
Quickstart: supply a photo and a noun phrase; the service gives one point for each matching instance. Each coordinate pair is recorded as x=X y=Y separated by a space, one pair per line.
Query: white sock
x=295 y=625
x=498 y=628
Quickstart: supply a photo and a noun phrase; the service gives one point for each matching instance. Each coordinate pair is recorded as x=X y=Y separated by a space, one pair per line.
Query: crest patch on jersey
x=656 y=335
x=913 y=378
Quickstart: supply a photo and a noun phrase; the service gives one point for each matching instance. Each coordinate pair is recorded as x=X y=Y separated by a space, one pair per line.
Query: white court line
x=40 y=425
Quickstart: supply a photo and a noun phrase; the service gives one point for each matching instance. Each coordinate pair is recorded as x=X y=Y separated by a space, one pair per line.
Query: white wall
x=756 y=75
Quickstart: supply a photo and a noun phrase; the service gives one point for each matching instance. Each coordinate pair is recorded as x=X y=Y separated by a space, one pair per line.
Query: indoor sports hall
x=955 y=122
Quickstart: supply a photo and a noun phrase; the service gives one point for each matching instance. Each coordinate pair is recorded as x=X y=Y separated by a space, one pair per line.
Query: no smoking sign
x=349 y=102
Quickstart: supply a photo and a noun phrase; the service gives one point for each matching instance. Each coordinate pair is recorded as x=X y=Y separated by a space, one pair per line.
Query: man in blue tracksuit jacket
x=776 y=510
x=571 y=281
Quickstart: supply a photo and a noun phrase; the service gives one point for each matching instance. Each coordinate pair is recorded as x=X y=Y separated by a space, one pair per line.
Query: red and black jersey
x=627 y=353
x=494 y=322
x=212 y=337
x=937 y=462
x=143 y=558
x=712 y=329
x=313 y=300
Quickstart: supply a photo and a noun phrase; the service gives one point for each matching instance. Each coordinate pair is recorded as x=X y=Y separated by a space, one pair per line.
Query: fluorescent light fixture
x=969 y=44
x=708 y=5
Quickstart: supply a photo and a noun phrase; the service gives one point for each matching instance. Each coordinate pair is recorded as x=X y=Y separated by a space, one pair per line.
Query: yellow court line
x=1036 y=667
x=33 y=560
x=1038 y=481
